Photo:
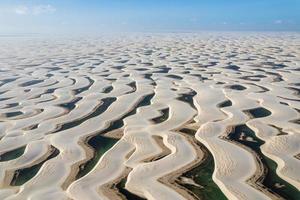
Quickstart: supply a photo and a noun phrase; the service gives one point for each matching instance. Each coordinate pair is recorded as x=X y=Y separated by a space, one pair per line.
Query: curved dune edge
x=170 y=179
x=210 y=134
x=284 y=170
x=132 y=138
x=141 y=90
x=256 y=180
x=109 y=189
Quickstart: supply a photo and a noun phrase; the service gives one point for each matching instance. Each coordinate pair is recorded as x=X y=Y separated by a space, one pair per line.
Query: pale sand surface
x=57 y=94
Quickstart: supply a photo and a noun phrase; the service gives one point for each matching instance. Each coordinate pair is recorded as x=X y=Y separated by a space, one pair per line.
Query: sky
x=95 y=16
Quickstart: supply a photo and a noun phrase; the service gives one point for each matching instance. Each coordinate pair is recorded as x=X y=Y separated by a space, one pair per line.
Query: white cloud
x=22 y=10
x=35 y=10
x=41 y=9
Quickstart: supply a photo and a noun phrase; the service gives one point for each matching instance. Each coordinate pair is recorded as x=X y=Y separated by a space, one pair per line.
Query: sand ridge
x=58 y=94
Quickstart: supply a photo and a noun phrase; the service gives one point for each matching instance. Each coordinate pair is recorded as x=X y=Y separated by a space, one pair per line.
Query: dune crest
x=146 y=116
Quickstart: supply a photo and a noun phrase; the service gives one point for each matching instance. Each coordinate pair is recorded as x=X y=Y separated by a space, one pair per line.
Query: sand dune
x=128 y=117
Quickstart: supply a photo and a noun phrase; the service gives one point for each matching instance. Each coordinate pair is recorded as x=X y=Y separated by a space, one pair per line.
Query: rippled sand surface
x=150 y=116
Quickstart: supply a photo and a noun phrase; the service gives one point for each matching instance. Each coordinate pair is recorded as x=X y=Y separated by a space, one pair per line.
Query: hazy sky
x=92 y=16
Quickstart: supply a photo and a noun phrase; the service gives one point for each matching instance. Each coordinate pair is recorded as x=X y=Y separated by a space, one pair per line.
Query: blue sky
x=93 y=16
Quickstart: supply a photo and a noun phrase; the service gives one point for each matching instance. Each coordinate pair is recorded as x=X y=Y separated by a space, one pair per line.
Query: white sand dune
x=59 y=97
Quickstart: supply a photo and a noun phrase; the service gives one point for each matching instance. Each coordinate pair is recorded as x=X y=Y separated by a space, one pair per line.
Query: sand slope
x=58 y=95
